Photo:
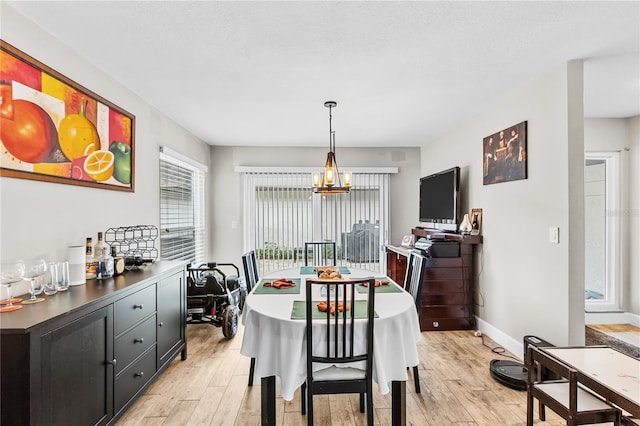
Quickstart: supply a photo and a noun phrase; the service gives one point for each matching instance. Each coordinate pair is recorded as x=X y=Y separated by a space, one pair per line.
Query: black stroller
x=213 y=296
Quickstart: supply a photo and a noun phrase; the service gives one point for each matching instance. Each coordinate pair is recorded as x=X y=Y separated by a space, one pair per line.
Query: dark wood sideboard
x=83 y=356
x=448 y=286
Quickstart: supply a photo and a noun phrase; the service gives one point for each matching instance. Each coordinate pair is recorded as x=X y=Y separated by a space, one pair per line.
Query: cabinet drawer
x=134 y=342
x=444 y=286
x=445 y=298
x=133 y=308
x=436 y=324
x=443 y=274
x=134 y=377
x=446 y=311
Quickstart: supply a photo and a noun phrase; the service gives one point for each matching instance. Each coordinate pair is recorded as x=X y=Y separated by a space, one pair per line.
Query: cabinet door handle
x=140 y=306
x=140 y=374
x=112 y=362
x=140 y=340
x=161 y=324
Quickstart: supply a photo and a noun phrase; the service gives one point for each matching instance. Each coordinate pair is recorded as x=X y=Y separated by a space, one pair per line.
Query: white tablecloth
x=278 y=343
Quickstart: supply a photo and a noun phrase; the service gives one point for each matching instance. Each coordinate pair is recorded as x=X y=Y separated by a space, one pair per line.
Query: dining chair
x=321 y=252
x=565 y=397
x=251 y=279
x=250 y=265
x=341 y=343
x=413 y=285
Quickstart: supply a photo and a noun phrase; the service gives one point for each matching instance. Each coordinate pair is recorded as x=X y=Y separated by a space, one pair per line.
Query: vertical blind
x=182 y=218
x=282 y=213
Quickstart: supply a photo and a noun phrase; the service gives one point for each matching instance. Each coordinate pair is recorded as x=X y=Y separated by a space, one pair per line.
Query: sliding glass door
x=282 y=213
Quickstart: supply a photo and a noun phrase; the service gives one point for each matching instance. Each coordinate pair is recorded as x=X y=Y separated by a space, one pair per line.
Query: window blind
x=282 y=213
x=182 y=218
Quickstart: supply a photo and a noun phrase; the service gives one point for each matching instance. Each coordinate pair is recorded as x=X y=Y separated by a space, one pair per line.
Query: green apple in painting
x=121 y=161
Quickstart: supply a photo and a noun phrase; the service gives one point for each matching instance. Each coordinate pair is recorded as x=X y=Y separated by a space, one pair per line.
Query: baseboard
x=501 y=338
x=611 y=318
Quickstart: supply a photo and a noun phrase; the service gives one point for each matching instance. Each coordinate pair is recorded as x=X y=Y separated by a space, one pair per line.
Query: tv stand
x=448 y=285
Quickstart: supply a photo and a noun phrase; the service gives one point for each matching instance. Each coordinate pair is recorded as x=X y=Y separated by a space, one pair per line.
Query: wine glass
x=34 y=269
x=11 y=272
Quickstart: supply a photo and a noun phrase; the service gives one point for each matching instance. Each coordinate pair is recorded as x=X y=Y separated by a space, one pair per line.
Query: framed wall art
x=505 y=155
x=53 y=129
x=476 y=221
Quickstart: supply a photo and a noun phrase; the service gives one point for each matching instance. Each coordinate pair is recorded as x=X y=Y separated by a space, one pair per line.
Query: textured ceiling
x=403 y=73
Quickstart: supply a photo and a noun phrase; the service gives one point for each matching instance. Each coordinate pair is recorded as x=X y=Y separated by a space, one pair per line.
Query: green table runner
x=311 y=270
x=299 y=310
x=261 y=289
x=389 y=288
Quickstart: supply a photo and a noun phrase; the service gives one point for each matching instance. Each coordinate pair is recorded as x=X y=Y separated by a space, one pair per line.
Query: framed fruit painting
x=53 y=129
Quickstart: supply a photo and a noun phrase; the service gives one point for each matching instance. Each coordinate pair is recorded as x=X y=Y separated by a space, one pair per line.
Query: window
x=182 y=216
x=282 y=213
x=602 y=231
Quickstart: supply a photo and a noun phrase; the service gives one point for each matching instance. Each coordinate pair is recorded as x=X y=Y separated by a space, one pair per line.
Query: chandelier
x=331 y=180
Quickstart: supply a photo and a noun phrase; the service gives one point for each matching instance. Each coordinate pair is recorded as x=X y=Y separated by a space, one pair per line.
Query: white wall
x=527 y=283
x=41 y=218
x=226 y=206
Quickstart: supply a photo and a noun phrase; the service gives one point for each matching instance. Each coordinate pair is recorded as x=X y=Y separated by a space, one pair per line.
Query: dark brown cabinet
x=448 y=285
x=397 y=263
x=83 y=356
x=74 y=371
x=170 y=321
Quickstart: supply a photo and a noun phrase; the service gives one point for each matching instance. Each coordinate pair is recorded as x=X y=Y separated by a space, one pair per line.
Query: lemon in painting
x=77 y=135
x=99 y=165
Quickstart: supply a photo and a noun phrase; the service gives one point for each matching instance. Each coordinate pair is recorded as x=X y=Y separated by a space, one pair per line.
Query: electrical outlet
x=554 y=235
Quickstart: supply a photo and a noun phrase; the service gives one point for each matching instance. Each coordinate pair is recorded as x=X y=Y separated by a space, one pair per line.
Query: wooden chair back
x=322 y=253
x=250 y=266
x=416 y=267
x=341 y=339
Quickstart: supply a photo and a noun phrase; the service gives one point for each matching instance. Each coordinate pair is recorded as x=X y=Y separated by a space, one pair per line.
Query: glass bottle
x=105 y=265
x=100 y=245
x=118 y=262
x=90 y=262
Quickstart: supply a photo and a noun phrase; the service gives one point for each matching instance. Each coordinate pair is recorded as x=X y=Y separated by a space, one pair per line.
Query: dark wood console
x=84 y=355
x=448 y=285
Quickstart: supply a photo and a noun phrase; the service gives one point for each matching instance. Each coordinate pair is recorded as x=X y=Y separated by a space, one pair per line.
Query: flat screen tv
x=439 y=199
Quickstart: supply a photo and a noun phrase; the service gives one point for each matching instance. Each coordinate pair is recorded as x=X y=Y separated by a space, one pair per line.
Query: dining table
x=275 y=336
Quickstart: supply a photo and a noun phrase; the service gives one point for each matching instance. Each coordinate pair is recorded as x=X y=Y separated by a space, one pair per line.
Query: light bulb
x=347 y=179
x=328 y=176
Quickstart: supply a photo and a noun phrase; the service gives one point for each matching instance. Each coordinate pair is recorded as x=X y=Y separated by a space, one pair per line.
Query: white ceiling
x=403 y=73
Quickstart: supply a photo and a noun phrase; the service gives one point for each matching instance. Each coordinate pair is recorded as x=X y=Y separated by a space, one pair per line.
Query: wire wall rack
x=137 y=241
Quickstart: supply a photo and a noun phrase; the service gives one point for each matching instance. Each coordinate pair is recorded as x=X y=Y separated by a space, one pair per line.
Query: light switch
x=554 y=235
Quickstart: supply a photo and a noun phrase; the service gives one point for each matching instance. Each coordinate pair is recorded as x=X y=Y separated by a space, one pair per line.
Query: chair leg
x=251 y=370
x=370 y=406
x=529 y=408
x=303 y=398
x=310 y=408
x=362 y=403
x=416 y=378
x=541 y=411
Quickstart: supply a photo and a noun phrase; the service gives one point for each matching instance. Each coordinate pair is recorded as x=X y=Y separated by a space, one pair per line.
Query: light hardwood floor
x=210 y=388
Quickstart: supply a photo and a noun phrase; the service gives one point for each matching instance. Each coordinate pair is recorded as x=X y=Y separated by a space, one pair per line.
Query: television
x=439 y=199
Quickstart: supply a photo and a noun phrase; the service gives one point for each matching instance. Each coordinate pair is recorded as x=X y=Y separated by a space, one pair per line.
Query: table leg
x=398 y=403
x=268 y=401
